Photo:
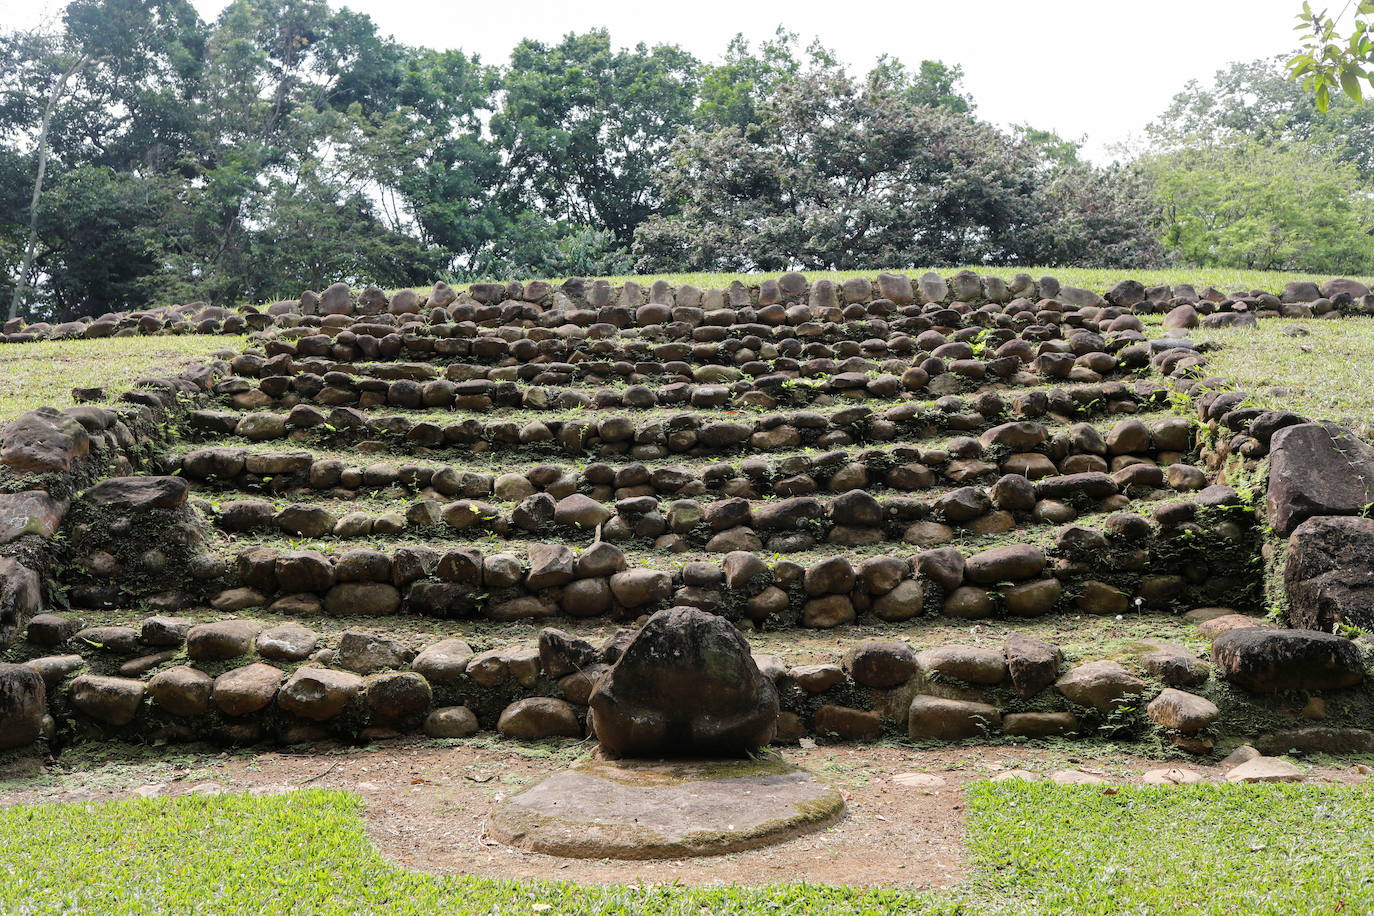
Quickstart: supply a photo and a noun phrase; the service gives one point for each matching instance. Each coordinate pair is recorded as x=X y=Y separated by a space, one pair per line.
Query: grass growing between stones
x=1035 y=848
x=44 y=373
x=1326 y=375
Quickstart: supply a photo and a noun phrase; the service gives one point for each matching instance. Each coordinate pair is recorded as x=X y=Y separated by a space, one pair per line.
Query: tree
x=1329 y=63
x=732 y=91
x=72 y=80
x=839 y=175
x=1093 y=217
x=55 y=92
x=934 y=84
x=583 y=126
x=320 y=231
x=1257 y=101
x=418 y=144
x=835 y=173
x=1278 y=206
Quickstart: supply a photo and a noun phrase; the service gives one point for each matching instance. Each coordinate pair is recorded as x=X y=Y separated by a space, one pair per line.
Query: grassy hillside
x=1325 y=374
x=45 y=372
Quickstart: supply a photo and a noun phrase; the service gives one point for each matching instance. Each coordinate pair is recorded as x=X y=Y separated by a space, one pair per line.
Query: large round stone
x=688 y=685
x=23 y=698
x=670 y=810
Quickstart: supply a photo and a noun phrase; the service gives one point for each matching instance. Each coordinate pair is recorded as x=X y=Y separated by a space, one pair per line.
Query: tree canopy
x=149 y=156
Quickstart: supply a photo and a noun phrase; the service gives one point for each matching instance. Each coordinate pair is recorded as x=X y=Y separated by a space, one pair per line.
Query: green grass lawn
x=44 y=373
x=1034 y=848
x=1327 y=375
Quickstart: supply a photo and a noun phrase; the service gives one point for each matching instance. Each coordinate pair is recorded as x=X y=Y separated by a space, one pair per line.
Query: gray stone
x=318 y=694
x=1040 y=724
x=221 y=640
x=1183 y=712
x=244 y=691
x=847 y=724
x=637 y=588
x=939 y=719
x=397 y=698
x=881 y=663
x=444 y=662
x=580 y=511
x=362 y=599
x=970 y=664
x=1266 y=769
x=1317 y=469
x=164 y=631
x=182 y=691
x=23 y=704
x=1329 y=573
x=1263 y=660
x=289 y=642
x=109 y=700
x=451 y=722
x=537 y=718
x=624 y=810
x=1102 y=685
x=1004 y=564
x=687 y=683
x=903 y=602
x=365 y=652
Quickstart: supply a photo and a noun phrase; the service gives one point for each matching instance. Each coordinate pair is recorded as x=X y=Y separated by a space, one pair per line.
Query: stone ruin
x=637 y=707
x=219 y=554
x=687 y=705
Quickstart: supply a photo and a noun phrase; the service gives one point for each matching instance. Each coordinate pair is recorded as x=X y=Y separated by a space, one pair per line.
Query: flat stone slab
x=628 y=809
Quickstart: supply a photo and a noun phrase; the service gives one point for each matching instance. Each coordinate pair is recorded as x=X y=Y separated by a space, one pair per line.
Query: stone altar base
x=634 y=809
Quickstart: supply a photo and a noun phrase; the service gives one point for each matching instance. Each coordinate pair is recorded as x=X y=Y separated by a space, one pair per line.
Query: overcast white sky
x=1095 y=68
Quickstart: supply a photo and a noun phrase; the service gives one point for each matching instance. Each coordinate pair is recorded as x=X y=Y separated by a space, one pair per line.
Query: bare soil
x=427 y=804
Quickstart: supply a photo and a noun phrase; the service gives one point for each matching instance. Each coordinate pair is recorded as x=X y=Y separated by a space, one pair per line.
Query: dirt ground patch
x=427 y=804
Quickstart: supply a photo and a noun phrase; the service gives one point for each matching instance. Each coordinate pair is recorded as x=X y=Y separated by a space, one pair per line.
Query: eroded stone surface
x=687 y=684
x=635 y=810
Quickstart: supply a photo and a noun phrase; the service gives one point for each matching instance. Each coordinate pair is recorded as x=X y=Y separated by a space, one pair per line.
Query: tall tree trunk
x=27 y=266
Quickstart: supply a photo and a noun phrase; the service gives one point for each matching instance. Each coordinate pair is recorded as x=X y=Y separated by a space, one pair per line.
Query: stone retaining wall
x=240 y=683
x=790 y=298
x=66 y=472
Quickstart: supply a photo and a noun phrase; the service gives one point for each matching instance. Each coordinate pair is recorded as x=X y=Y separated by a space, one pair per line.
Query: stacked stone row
x=1032 y=489
x=1187 y=552
x=236 y=682
x=1077 y=448
x=851 y=300
x=686 y=433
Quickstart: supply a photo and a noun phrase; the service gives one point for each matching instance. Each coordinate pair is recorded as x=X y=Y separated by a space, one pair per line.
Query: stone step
x=245 y=680
x=658 y=433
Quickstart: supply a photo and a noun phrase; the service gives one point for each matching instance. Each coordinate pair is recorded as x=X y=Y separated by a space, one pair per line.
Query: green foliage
x=1324 y=376
x=835 y=173
x=1255 y=101
x=1329 y=63
x=732 y=91
x=102 y=251
x=1265 y=207
x=584 y=125
x=1210 y=849
x=287 y=144
x=44 y=373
